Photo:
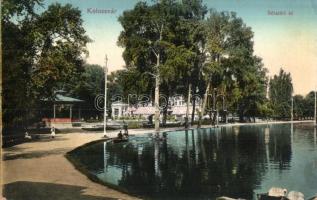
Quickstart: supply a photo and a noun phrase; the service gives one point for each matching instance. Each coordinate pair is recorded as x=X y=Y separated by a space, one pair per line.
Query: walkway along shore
x=39 y=170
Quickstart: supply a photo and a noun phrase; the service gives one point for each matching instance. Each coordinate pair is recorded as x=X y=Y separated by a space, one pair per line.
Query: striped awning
x=181 y=110
x=149 y=110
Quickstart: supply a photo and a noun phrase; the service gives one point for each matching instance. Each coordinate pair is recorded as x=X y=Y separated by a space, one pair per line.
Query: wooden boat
x=117 y=140
x=295 y=195
x=265 y=196
x=228 y=198
x=274 y=193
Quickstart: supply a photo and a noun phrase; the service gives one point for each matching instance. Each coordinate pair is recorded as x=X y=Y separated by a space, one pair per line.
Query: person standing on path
x=53 y=132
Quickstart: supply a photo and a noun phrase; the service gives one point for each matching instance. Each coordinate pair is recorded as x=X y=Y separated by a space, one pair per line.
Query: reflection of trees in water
x=239 y=165
x=280 y=149
x=211 y=164
x=202 y=163
x=315 y=136
x=305 y=134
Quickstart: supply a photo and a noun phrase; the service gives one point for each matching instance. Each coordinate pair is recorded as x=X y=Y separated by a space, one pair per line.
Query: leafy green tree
x=253 y=84
x=40 y=52
x=208 y=54
x=88 y=86
x=17 y=61
x=299 y=106
x=309 y=105
x=281 y=90
x=60 y=42
x=133 y=82
x=143 y=38
x=248 y=76
x=230 y=69
x=216 y=33
x=153 y=44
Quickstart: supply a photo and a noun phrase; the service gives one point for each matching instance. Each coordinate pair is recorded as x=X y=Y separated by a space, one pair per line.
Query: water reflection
x=206 y=163
x=280 y=149
x=315 y=136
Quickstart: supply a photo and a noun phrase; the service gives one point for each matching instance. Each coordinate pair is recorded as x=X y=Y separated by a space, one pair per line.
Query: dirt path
x=39 y=170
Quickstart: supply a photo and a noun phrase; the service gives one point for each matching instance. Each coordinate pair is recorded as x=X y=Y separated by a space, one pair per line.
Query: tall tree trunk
x=214 y=107
x=187 y=106
x=203 y=107
x=157 y=103
x=193 y=111
x=165 y=114
x=157 y=87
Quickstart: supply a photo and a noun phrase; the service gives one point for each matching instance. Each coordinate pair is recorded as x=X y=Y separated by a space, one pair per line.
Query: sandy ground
x=39 y=170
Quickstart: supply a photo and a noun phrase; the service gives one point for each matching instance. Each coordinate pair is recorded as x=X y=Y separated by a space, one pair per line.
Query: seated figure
x=27 y=136
x=120 y=136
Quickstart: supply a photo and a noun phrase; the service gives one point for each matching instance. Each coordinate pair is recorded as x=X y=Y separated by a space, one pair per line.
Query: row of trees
x=190 y=50
x=170 y=47
x=183 y=45
x=304 y=106
x=279 y=103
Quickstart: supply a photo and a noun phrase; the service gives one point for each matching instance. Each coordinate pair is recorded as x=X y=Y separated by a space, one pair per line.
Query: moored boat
x=118 y=140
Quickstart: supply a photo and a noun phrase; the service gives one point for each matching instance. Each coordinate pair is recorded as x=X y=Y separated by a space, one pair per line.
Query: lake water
x=237 y=161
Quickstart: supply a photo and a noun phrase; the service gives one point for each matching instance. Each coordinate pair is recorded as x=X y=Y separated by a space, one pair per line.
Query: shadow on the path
x=47 y=138
x=34 y=154
x=24 y=190
x=15 y=149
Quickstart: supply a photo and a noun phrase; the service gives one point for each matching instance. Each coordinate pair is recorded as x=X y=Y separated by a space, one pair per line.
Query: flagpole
x=105 y=101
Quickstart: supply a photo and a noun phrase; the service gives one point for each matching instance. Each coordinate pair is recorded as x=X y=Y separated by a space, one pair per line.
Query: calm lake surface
x=237 y=161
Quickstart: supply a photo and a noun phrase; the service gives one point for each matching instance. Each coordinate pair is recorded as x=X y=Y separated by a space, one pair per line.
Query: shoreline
x=267 y=122
x=40 y=170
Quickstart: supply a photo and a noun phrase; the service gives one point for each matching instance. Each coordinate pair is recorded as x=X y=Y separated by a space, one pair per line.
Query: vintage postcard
x=158 y=99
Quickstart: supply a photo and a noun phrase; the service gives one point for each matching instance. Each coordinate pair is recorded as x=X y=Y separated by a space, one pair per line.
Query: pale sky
x=285 y=33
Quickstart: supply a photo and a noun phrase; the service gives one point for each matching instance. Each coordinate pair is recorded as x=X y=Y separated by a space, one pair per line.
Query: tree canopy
x=41 y=53
x=281 y=91
x=208 y=49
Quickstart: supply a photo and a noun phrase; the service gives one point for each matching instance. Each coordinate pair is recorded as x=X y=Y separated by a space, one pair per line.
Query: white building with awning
x=177 y=108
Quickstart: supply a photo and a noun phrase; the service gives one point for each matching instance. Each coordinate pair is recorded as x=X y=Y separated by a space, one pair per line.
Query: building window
x=116 y=112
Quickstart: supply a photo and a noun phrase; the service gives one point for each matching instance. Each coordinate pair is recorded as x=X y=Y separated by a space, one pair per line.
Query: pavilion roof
x=64 y=99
